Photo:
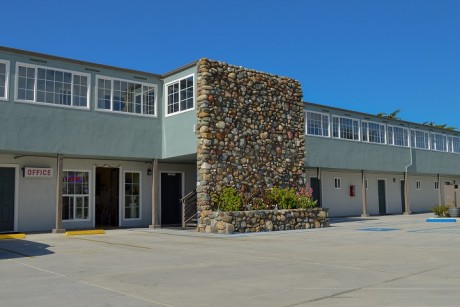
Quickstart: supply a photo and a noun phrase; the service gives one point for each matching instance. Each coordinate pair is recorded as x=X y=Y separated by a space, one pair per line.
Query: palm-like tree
x=392 y=115
x=440 y=126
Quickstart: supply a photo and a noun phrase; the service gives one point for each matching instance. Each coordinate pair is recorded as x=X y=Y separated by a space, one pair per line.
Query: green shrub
x=283 y=198
x=441 y=211
x=229 y=199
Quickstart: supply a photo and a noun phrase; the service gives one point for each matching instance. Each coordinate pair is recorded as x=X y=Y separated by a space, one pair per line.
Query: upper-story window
x=398 y=136
x=4 y=73
x=373 y=132
x=345 y=128
x=52 y=86
x=125 y=96
x=317 y=124
x=180 y=95
x=419 y=139
x=438 y=142
x=454 y=144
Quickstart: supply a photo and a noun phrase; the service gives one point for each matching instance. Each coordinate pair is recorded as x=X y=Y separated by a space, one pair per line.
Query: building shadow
x=13 y=249
x=337 y=220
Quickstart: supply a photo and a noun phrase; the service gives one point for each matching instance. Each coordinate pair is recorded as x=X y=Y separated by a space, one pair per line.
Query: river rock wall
x=250 y=130
x=262 y=220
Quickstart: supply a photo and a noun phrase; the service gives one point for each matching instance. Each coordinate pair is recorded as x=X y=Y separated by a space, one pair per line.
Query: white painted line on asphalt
x=90 y=284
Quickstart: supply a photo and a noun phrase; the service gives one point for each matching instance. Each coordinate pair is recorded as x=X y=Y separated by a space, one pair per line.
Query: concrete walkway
x=377 y=261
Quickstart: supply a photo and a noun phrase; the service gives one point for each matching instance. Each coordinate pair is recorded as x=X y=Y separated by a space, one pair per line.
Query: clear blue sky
x=365 y=55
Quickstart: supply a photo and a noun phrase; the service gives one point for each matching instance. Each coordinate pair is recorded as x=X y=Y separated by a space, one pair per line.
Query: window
x=373 y=132
x=398 y=136
x=419 y=139
x=436 y=185
x=345 y=128
x=132 y=195
x=454 y=143
x=75 y=195
x=317 y=124
x=438 y=142
x=4 y=73
x=126 y=96
x=180 y=95
x=418 y=184
x=337 y=183
x=52 y=86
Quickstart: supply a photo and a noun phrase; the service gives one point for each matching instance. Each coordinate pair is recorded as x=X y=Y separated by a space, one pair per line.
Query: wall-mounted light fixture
x=394 y=179
x=149 y=172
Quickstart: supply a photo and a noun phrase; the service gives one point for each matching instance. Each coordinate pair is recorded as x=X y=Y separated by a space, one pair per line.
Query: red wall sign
x=38 y=172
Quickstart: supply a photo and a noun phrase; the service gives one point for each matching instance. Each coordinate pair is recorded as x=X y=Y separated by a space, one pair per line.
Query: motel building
x=85 y=145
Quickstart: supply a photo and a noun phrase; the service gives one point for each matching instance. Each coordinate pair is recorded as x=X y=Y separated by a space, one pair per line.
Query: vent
x=38 y=61
x=139 y=78
x=93 y=70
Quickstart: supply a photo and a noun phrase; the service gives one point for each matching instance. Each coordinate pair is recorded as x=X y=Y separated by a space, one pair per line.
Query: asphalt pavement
x=377 y=261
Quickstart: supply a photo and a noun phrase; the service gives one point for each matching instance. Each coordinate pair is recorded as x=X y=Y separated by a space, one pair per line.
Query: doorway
x=107 y=201
x=7 y=198
x=171 y=193
x=315 y=185
x=382 y=197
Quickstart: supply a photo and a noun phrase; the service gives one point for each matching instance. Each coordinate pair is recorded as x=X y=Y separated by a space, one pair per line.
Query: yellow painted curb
x=13 y=236
x=85 y=232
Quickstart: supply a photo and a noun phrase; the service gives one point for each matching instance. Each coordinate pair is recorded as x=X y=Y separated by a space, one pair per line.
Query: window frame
x=80 y=195
x=390 y=141
x=7 y=79
x=35 y=102
x=139 y=195
x=384 y=134
x=328 y=123
x=112 y=79
x=339 y=130
x=415 y=140
x=337 y=183
x=450 y=143
x=165 y=94
x=433 y=145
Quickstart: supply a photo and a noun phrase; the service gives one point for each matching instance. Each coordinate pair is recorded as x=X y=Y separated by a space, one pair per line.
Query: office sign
x=38 y=172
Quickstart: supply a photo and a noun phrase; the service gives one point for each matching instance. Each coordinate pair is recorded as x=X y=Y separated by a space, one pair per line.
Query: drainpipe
x=363 y=194
x=406 y=183
x=59 y=177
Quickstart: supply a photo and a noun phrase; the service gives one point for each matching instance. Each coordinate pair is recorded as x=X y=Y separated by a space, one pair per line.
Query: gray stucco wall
x=39 y=128
x=179 y=129
x=342 y=154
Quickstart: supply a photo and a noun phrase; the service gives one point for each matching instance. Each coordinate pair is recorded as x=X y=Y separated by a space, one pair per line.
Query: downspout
x=406 y=182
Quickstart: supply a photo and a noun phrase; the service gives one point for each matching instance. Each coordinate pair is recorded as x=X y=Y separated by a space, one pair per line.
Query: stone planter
x=262 y=220
x=454 y=212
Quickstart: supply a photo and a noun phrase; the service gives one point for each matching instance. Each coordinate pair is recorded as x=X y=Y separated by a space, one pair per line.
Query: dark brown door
x=7 y=186
x=171 y=193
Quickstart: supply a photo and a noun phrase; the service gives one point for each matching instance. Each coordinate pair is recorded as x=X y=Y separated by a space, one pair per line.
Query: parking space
x=377 y=261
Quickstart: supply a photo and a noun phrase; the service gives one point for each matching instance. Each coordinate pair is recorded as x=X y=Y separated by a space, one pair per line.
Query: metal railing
x=189 y=210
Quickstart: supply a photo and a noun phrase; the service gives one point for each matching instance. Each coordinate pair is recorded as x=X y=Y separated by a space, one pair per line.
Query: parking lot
x=377 y=261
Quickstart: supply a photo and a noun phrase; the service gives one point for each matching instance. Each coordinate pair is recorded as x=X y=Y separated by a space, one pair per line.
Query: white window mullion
x=111 y=94
x=35 y=84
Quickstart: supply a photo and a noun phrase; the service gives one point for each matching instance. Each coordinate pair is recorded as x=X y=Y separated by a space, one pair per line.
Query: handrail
x=189 y=208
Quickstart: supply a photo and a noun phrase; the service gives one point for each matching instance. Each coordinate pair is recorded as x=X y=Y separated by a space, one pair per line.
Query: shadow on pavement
x=336 y=220
x=11 y=249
